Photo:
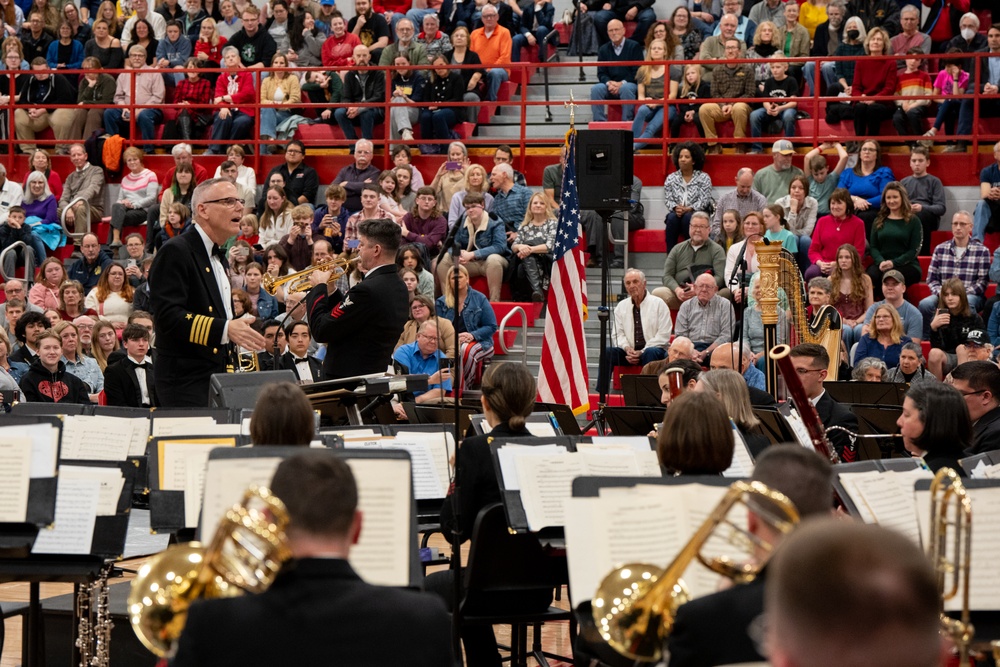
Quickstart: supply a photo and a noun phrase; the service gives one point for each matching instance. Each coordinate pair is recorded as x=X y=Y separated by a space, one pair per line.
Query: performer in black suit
x=979 y=383
x=361 y=328
x=318 y=611
x=306 y=367
x=192 y=301
x=811 y=362
x=716 y=629
x=121 y=379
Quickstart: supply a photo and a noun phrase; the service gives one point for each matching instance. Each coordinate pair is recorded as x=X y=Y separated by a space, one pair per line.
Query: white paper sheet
x=44 y=446
x=182 y=468
x=96 y=438
x=171 y=426
x=226 y=480
x=382 y=555
x=640 y=443
x=742 y=465
x=546 y=483
x=110 y=480
x=15 y=470
x=76 y=514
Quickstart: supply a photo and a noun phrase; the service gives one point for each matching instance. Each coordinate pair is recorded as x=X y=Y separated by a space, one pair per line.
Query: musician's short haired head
x=509 y=393
x=692 y=370
x=799 y=473
x=847 y=593
x=696 y=437
x=382 y=232
x=979 y=382
x=814 y=351
x=320 y=494
x=134 y=332
x=282 y=415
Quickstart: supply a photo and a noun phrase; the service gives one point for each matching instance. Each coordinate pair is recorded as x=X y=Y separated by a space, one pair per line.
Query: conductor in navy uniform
x=361 y=328
x=192 y=300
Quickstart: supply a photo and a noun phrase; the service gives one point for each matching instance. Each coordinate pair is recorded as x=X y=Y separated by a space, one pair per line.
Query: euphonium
x=245 y=554
x=299 y=281
x=635 y=605
x=951 y=523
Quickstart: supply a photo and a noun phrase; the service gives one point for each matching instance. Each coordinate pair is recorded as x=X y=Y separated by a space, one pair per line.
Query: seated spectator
x=895 y=238
x=65 y=52
x=961 y=258
x=370 y=27
x=179 y=191
x=280 y=92
x=641 y=332
x=409 y=256
x=653 y=85
x=800 y=212
x=987 y=216
x=210 y=41
x=714 y=48
x=822 y=181
x=732 y=229
x=988 y=95
x=277 y=24
x=687 y=190
x=832 y=232
x=866 y=181
x=353 y=177
x=330 y=219
x=493 y=44
x=510 y=200
x=15 y=230
x=40 y=212
x=93 y=262
x=685 y=30
x=422 y=310
x=132 y=255
x=276 y=221
x=370 y=89
x=531 y=250
x=978 y=346
x=139 y=188
x=77 y=363
x=475 y=181
x=950 y=328
x=338 y=49
x=744 y=199
x=853 y=292
x=840 y=77
x=301 y=180
x=142 y=35
x=745 y=29
x=773 y=181
x=424 y=356
x=264 y=305
x=779 y=86
x=35 y=36
x=254 y=45
x=475 y=327
x=765 y=46
x=295 y=247
x=96 y=90
x=483 y=239
x=182 y=154
x=35 y=114
x=409 y=86
x=425 y=225
x=149 y=90
x=71 y=302
x=437 y=119
x=173 y=51
x=727 y=357
x=401 y=158
x=873 y=78
x=406 y=44
x=45 y=292
x=47 y=380
x=753 y=228
x=705 y=320
x=691 y=88
x=884 y=339
x=912 y=81
x=617 y=82
x=730 y=81
x=926 y=195
x=536 y=25
x=911 y=367
x=129 y=382
x=105 y=46
x=893 y=288
x=112 y=298
x=950 y=82
x=371 y=209
x=155 y=21
x=504 y=154
x=389 y=195
x=27 y=327
x=234 y=91
x=910 y=37
x=795 y=40
x=871 y=369
x=776 y=228
x=753 y=327
x=814 y=14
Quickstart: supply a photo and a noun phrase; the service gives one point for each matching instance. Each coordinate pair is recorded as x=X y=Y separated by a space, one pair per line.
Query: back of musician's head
x=282 y=416
x=696 y=437
x=509 y=389
x=382 y=232
x=319 y=492
x=799 y=473
x=820 y=357
x=846 y=593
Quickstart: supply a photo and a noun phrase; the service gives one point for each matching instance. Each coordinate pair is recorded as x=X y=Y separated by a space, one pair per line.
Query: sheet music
x=358 y=434
x=886 y=498
x=44 y=446
x=111 y=483
x=382 y=555
x=140 y=436
x=984 y=589
x=799 y=428
x=76 y=513
x=15 y=469
x=984 y=471
x=742 y=464
x=96 y=438
x=507 y=454
x=546 y=483
x=182 y=468
x=609 y=463
x=429 y=454
x=170 y=426
x=226 y=480
x=540 y=429
x=640 y=443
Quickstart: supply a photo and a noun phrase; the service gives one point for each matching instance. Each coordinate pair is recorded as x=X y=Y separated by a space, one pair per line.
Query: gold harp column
x=768 y=259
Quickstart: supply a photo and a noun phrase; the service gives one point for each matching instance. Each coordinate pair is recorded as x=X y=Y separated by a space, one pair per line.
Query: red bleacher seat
x=914 y=293
x=479 y=283
x=618 y=371
x=509 y=336
x=991 y=290
x=647 y=240
x=925 y=263
x=938 y=237
x=532 y=311
x=925 y=347
x=609 y=125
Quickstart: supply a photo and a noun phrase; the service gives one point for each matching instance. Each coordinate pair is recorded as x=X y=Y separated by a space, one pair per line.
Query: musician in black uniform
x=362 y=327
x=306 y=367
x=192 y=300
x=811 y=362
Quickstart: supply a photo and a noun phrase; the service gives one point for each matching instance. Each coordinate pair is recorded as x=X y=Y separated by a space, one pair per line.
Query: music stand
x=867 y=393
x=874 y=420
x=641 y=391
x=563 y=414
x=774 y=426
x=633 y=421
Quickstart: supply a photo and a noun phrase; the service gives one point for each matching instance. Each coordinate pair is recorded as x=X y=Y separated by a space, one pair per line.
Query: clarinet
x=102 y=623
x=84 y=628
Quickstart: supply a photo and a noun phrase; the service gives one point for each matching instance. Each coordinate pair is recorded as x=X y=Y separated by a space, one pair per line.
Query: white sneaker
x=407 y=135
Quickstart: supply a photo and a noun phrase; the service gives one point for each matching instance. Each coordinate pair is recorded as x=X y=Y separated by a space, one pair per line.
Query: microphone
x=743 y=251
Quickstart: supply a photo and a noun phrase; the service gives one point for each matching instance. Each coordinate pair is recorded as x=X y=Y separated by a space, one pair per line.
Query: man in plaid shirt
x=964 y=258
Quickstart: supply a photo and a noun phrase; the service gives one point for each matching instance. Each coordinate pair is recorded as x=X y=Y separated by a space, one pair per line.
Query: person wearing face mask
x=968 y=39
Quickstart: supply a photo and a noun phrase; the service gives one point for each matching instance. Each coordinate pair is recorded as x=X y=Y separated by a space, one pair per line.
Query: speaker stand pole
x=604 y=315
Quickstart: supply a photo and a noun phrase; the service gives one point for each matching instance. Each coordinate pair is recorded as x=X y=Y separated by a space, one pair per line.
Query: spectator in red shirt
x=233 y=90
x=338 y=49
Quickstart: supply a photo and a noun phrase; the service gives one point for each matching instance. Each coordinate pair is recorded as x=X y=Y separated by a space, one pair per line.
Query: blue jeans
x=759 y=121
x=676 y=226
x=494 y=77
x=988 y=108
x=653 y=119
x=928 y=306
x=270 y=119
x=417 y=16
x=947 y=115
x=599 y=91
x=237 y=125
x=146 y=121
x=521 y=40
x=367 y=118
x=437 y=124
x=644 y=20
x=616 y=357
x=826 y=72
x=802 y=256
x=981 y=219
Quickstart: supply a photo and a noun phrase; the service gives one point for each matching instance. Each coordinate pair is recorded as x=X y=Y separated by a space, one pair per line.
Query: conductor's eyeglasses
x=231 y=202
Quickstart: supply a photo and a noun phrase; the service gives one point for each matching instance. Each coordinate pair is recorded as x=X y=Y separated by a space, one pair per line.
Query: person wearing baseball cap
x=977 y=346
x=773 y=180
x=894 y=289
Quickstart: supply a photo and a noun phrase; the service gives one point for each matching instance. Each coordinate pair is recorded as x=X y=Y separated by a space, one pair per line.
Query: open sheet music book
x=72 y=532
x=984 y=579
x=430 y=453
x=15 y=473
x=44 y=440
x=182 y=468
x=984 y=470
x=544 y=474
x=886 y=498
x=102 y=438
x=646 y=523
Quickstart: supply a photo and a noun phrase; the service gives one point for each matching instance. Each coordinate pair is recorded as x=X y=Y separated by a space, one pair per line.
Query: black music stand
x=641 y=391
x=867 y=393
x=633 y=421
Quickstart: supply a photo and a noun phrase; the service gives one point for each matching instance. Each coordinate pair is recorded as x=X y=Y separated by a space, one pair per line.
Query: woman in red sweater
x=832 y=231
x=873 y=78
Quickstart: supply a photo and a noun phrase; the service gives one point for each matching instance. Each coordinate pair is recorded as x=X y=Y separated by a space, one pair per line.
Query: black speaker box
x=239 y=390
x=604 y=169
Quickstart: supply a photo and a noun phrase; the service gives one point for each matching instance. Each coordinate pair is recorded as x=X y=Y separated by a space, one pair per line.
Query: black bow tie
x=144 y=365
x=219 y=252
x=299 y=360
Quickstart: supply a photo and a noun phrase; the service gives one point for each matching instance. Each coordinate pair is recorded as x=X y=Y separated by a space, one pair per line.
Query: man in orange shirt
x=493 y=44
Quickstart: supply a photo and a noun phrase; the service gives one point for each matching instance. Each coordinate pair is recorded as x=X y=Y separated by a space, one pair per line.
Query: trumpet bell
x=625 y=618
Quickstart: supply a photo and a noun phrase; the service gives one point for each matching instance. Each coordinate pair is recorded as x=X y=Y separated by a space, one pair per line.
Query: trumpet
x=635 y=605
x=951 y=523
x=299 y=281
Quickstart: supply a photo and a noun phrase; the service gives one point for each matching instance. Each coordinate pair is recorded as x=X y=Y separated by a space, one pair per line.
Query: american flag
x=563 y=376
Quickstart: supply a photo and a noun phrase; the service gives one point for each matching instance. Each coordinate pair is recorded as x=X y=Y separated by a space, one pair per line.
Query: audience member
x=895 y=238
x=254 y=45
x=988 y=95
x=482 y=237
x=353 y=177
x=926 y=195
x=950 y=328
x=39 y=93
x=854 y=293
x=714 y=48
x=911 y=368
x=93 y=261
x=822 y=181
x=743 y=199
x=893 y=291
x=510 y=200
x=688 y=190
x=912 y=81
x=773 y=181
x=688 y=260
x=987 y=214
x=730 y=81
x=784 y=113
x=425 y=357
x=149 y=90
x=361 y=88
x=617 y=82
x=493 y=44
x=866 y=181
x=47 y=380
x=960 y=257
x=884 y=339
x=707 y=319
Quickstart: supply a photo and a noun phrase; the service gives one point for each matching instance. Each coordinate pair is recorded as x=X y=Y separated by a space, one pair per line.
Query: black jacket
x=121 y=385
x=39 y=385
x=302 y=182
x=714 y=629
x=987 y=433
x=371 y=90
x=287 y=362
x=10 y=235
x=54 y=90
x=832 y=413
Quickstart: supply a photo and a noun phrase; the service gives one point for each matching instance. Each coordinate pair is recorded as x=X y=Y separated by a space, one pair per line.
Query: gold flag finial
x=571 y=105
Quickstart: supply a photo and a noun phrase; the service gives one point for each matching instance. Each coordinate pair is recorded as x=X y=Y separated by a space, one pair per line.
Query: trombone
x=951 y=525
x=299 y=281
x=634 y=606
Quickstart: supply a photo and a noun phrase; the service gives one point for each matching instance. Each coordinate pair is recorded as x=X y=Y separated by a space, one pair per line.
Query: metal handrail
x=523 y=349
x=29 y=262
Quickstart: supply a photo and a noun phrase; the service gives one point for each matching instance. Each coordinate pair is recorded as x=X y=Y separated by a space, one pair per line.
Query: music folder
x=42 y=435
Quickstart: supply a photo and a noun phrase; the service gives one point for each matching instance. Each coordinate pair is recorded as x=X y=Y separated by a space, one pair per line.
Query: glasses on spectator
x=869 y=150
x=293 y=150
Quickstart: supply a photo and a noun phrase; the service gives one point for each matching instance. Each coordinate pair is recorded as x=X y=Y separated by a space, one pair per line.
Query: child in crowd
x=178 y=221
x=248 y=229
x=330 y=220
x=732 y=228
x=822 y=182
x=298 y=242
x=912 y=81
x=16 y=230
x=401 y=156
x=777 y=229
x=950 y=81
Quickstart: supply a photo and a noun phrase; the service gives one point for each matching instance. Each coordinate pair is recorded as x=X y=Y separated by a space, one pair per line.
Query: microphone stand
x=451 y=244
x=741 y=269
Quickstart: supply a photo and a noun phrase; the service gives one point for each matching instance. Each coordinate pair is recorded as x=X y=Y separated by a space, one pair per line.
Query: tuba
x=299 y=281
x=634 y=606
x=951 y=523
x=245 y=554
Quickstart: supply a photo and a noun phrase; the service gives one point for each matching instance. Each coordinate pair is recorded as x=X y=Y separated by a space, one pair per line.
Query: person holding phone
x=423 y=357
x=950 y=328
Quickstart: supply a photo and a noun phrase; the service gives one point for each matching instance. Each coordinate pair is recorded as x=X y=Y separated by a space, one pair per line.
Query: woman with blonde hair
x=476 y=180
x=104 y=342
x=476 y=324
x=765 y=44
x=691 y=88
x=532 y=249
x=654 y=85
x=885 y=338
x=112 y=298
x=873 y=78
x=77 y=363
x=731 y=388
x=208 y=47
x=280 y=93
